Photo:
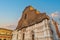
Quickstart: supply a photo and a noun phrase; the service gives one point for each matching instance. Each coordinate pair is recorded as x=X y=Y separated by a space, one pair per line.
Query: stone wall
x=40 y=31
x=14 y=36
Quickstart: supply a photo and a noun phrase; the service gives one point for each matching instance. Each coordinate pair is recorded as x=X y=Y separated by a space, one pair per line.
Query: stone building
x=33 y=25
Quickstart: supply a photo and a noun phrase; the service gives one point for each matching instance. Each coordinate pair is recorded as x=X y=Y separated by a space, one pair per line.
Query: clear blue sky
x=11 y=10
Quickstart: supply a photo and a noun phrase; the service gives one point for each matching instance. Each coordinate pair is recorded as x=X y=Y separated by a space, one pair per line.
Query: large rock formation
x=31 y=16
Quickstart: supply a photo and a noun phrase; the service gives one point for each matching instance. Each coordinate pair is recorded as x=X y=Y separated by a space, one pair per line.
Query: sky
x=11 y=10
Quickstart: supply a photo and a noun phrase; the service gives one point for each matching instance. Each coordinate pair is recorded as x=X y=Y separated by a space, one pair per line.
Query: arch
x=32 y=35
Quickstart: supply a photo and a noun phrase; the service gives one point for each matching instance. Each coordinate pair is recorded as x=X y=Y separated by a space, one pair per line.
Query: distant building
x=33 y=26
x=5 y=34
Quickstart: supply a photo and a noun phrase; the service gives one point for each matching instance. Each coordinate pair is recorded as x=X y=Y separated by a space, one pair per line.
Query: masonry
x=33 y=25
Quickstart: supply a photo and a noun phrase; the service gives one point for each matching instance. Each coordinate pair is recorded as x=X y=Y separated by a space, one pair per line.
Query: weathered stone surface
x=34 y=25
x=56 y=27
x=31 y=16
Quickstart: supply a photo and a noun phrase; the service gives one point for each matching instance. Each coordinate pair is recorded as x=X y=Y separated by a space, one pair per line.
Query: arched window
x=32 y=35
x=4 y=39
x=25 y=16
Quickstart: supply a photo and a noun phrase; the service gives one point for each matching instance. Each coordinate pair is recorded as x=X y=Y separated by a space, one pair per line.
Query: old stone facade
x=33 y=26
x=40 y=31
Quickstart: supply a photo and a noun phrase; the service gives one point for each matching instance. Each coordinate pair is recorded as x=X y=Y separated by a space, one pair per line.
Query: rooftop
x=31 y=16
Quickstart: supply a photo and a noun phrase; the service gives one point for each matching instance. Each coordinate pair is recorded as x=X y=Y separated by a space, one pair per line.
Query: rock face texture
x=31 y=16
